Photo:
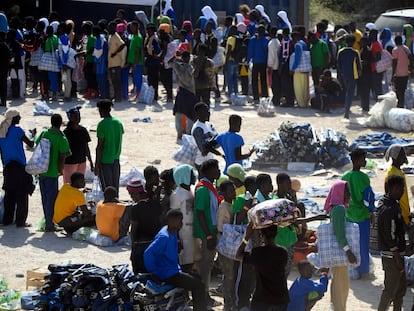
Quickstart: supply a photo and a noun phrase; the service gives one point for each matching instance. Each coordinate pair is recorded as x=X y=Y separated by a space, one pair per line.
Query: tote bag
x=231 y=239
x=385 y=62
x=39 y=162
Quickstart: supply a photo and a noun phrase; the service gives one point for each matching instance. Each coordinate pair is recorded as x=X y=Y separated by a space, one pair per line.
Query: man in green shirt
x=206 y=203
x=48 y=181
x=319 y=56
x=90 y=75
x=136 y=58
x=109 y=132
x=357 y=211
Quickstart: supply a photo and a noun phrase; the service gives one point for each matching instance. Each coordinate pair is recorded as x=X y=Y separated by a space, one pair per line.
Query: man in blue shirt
x=161 y=259
x=17 y=183
x=231 y=142
x=349 y=69
x=257 y=54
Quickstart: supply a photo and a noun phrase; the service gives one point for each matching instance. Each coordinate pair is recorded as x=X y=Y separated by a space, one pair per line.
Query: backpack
x=240 y=51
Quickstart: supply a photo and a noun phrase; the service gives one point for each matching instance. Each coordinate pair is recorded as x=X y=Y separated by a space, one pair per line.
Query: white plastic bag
x=399 y=119
x=97 y=190
x=42 y=109
x=377 y=112
x=39 y=162
x=266 y=107
x=133 y=173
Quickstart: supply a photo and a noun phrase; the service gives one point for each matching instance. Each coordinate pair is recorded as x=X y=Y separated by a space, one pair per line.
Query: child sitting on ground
x=305 y=292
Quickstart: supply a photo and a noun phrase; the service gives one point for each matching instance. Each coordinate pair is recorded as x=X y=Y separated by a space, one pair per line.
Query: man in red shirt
x=376 y=49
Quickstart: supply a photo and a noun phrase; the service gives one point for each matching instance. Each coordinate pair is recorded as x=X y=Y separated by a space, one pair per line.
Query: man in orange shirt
x=112 y=216
x=70 y=210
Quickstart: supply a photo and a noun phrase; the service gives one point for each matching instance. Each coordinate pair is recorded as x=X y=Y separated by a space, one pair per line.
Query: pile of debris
x=294 y=142
x=89 y=287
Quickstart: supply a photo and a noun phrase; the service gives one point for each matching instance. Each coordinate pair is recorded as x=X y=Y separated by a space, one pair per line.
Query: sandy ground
x=26 y=249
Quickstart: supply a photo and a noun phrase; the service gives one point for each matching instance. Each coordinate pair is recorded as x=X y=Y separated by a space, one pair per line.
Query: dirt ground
x=143 y=143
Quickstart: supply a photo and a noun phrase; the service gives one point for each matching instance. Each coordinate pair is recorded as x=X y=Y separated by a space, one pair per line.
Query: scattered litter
x=145 y=120
x=42 y=109
x=155 y=162
x=123 y=160
x=266 y=108
x=316 y=192
x=92 y=236
x=154 y=108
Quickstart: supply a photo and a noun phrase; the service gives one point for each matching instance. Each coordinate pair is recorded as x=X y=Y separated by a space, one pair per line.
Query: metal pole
x=50 y=6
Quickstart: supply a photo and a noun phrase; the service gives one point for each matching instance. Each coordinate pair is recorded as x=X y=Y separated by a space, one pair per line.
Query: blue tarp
x=379 y=142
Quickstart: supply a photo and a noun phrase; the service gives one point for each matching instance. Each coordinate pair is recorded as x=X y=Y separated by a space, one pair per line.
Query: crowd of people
x=248 y=48
x=175 y=218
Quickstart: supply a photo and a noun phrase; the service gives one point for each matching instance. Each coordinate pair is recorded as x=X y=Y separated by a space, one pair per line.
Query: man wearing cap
x=237 y=175
x=146 y=217
x=112 y=216
x=17 y=184
x=108 y=151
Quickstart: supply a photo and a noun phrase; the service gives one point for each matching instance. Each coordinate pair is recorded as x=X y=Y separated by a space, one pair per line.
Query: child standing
x=304 y=292
x=392 y=243
x=225 y=216
x=232 y=142
x=270 y=263
x=358 y=212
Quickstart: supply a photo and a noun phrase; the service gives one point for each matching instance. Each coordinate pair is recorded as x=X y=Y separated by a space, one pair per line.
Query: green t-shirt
x=111 y=130
x=238 y=205
x=58 y=145
x=337 y=215
x=202 y=203
x=51 y=41
x=318 y=50
x=135 y=44
x=90 y=44
x=286 y=236
x=358 y=182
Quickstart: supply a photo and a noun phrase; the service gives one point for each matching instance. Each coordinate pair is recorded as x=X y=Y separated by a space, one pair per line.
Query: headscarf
x=165 y=27
x=135 y=185
x=340 y=34
x=235 y=170
x=393 y=152
x=4 y=24
x=408 y=35
x=45 y=21
x=142 y=17
x=165 y=20
x=262 y=12
x=239 y=18
x=168 y=6
x=283 y=16
x=72 y=33
x=370 y=26
x=182 y=174
x=209 y=14
x=121 y=28
x=335 y=195
x=55 y=26
x=189 y=33
x=241 y=28
x=7 y=121
x=387 y=40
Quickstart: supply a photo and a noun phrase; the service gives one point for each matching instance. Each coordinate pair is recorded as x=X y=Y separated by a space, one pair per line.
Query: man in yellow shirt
x=70 y=210
x=397 y=154
x=112 y=216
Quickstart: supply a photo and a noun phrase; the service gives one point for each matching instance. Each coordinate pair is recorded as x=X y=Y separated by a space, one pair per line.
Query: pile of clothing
x=333 y=151
x=294 y=142
x=89 y=287
x=378 y=143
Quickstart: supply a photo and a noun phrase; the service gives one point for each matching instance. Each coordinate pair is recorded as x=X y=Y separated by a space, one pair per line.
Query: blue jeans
x=364 y=246
x=53 y=79
x=102 y=84
x=125 y=82
x=48 y=191
x=137 y=77
x=231 y=77
x=349 y=90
